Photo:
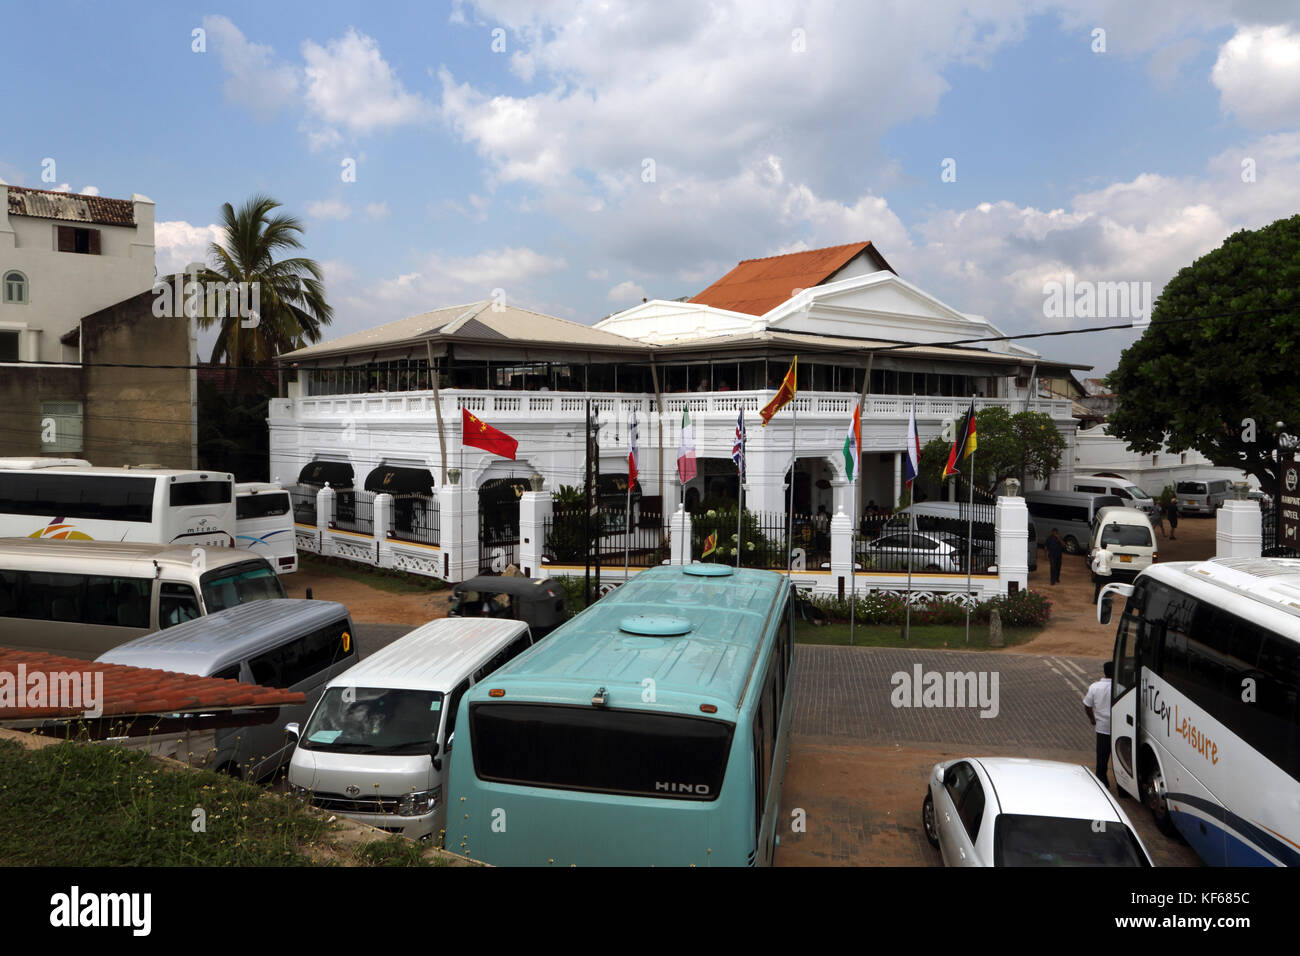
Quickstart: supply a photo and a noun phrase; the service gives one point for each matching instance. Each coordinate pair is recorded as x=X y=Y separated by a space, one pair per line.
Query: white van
x=1129 y=537
x=375 y=748
x=1202 y=496
x=264 y=524
x=1126 y=491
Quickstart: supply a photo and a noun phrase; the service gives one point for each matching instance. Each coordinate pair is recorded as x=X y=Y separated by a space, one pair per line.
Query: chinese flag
x=479 y=434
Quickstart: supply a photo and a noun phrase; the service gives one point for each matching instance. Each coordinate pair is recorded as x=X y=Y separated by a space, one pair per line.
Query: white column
x=1240 y=530
x=535 y=509
x=841 y=496
x=458 y=508
x=841 y=550
x=680 y=529
x=898 y=478
x=324 y=515
x=1011 y=528
x=383 y=520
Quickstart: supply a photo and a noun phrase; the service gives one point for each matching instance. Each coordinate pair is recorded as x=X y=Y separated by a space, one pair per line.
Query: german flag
x=783 y=394
x=710 y=545
x=964 y=444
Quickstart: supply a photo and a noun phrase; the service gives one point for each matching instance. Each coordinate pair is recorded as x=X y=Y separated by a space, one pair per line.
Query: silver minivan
x=1069 y=512
x=1125 y=490
x=1202 y=496
x=289 y=644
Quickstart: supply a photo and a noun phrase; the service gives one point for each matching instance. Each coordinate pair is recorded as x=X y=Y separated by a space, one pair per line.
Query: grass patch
x=891 y=635
x=382 y=579
x=74 y=804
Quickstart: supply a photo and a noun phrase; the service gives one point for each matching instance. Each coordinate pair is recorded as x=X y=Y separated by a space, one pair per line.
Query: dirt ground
x=1074 y=629
x=368 y=604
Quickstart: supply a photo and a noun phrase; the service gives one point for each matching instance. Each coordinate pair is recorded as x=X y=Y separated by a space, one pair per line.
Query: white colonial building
x=385 y=405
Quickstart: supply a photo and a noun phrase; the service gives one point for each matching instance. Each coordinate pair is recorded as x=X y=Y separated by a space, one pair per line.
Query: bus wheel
x=1072 y=545
x=927 y=820
x=1152 y=787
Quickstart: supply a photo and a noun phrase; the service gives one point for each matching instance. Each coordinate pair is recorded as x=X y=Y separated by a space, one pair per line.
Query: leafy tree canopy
x=1219 y=384
x=1024 y=445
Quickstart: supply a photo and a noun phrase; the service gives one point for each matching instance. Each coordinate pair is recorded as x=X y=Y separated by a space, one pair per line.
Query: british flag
x=738 y=449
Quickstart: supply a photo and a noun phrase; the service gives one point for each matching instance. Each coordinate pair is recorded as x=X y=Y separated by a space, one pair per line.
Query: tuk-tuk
x=538 y=603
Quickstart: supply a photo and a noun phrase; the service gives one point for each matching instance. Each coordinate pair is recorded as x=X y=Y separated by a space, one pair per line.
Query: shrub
x=1022 y=609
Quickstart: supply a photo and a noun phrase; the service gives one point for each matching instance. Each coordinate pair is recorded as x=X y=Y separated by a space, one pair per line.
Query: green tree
x=1220 y=382
x=1024 y=445
x=290 y=292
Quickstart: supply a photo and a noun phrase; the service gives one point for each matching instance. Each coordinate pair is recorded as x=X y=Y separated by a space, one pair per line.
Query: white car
x=929 y=551
x=1012 y=811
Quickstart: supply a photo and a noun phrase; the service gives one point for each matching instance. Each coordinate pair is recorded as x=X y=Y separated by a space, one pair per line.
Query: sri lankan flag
x=963 y=445
x=783 y=394
x=710 y=545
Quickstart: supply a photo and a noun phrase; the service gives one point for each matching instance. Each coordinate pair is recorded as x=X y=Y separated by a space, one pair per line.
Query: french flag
x=912 y=463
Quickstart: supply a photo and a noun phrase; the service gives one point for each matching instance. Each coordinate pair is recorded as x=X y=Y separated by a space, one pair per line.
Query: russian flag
x=912 y=464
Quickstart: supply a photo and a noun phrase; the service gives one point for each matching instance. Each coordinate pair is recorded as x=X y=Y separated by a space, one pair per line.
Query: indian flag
x=853 y=443
x=686 y=449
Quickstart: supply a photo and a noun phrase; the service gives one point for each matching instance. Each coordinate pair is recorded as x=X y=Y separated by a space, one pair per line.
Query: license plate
x=1186 y=502
x=1126 y=559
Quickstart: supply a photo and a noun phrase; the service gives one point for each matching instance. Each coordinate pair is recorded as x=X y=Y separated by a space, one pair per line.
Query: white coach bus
x=1204 y=725
x=264 y=523
x=76 y=502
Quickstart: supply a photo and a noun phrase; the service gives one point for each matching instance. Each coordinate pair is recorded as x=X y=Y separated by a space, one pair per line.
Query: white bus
x=1204 y=726
x=81 y=598
x=151 y=505
x=264 y=523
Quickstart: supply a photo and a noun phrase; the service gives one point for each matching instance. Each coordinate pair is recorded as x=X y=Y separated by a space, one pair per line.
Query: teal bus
x=650 y=730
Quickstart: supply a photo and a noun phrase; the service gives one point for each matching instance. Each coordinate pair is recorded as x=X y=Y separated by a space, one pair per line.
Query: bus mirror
x=292 y=730
x=1103 y=611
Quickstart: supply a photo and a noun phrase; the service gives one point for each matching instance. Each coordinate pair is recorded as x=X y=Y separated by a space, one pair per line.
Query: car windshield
x=374 y=720
x=1190 y=488
x=239 y=584
x=1136 y=492
x=1021 y=840
x=1126 y=536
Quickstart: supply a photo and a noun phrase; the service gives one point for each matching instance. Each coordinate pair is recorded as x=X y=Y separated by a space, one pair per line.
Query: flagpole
x=627 y=530
x=740 y=513
x=911 y=517
x=794 y=431
x=970 y=514
x=853 y=535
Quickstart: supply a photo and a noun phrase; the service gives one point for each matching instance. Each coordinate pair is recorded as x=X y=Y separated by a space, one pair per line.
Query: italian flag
x=853 y=443
x=686 y=449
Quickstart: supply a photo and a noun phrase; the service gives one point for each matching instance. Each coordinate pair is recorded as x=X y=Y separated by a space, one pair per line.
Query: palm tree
x=290 y=293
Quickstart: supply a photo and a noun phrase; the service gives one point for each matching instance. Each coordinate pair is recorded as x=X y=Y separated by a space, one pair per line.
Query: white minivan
x=1129 y=537
x=376 y=747
x=1126 y=491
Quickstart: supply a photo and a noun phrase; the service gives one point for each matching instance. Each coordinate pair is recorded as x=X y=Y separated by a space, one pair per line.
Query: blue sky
x=771 y=127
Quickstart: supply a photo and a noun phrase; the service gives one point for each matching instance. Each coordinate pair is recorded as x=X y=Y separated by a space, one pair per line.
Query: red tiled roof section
x=72 y=207
x=127 y=691
x=757 y=286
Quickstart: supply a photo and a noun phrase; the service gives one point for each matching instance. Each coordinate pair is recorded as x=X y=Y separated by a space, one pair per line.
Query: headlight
x=297 y=791
x=419 y=803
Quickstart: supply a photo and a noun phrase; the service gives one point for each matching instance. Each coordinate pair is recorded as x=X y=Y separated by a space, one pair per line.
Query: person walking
x=1101 y=572
x=1171 y=512
x=1096 y=704
x=1055 y=549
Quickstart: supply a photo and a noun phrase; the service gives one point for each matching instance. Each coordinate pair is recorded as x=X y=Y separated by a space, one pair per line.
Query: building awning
x=610 y=486
x=398 y=480
x=337 y=473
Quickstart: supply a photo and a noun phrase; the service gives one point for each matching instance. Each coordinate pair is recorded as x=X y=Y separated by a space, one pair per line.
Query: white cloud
x=335 y=209
x=440 y=280
x=90 y=190
x=377 y=210
x=255 y=79
x=178 y=243
x=1258 y=77
x=350 y=85
x=62 y=188
x=626 y=293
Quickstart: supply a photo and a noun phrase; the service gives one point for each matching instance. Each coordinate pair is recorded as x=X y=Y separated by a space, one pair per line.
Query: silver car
x=1012 y=811
x=929 y=551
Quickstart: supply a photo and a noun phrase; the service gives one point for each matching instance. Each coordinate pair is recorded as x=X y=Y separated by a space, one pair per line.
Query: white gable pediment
x=661 y=321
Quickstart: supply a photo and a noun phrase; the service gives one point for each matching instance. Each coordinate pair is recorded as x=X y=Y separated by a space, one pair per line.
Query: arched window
x=15 y=288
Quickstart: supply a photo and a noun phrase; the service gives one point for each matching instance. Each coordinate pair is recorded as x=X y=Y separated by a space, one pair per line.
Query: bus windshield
x=1190 y=488
x=239 y=584
x=1136 y=492
x=265 y=505
x=1021 y=840
x=374 y=720
x=607 y=751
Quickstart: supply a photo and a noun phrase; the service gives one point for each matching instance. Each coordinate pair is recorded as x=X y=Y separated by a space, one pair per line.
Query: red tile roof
x=73 y=207
x=131 y=691
x=757 y=286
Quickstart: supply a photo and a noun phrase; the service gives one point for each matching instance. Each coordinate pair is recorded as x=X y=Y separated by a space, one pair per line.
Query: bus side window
x=452 y=708
x=176 y=603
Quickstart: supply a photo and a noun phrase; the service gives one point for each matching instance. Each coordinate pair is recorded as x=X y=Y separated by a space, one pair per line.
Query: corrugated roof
x=756 y=286
x=70 y=207
x=130 y=691
x=475 y=321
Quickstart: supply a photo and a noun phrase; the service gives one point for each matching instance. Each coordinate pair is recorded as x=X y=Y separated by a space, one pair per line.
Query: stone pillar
x=1240 y=531
x=458 y=509
x=898 y=478
x=680 y=529
x=841 y=551
x=383 y=515
x=842 y=494
x=1011 y=528
x=324 y=515
x=535 y=510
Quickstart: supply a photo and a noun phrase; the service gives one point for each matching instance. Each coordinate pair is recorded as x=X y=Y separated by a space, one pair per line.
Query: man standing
x=1171 y=512
x=1101 y=572
x=1096 y=703
x=1055 y=548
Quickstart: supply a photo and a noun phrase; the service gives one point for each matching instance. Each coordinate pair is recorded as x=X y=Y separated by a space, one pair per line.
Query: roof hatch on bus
x=655 y=625
x=709 y=570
